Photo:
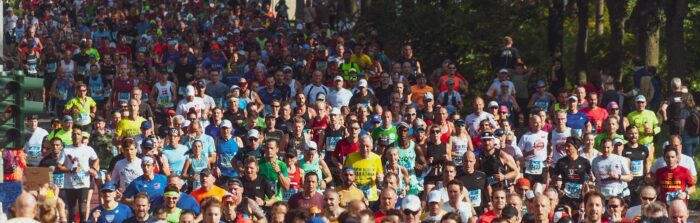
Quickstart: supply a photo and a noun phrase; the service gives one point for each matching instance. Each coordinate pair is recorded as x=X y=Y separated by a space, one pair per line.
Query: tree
x=645 y=22
x=617 y=10
x=675 y=11
x=555 y=28
x=582 y=37
x=599 y=13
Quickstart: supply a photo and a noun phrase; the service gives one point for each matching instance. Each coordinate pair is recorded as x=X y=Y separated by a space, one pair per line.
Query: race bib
x=573 y=190
x=533 y=167
x=58 y=179
x=609 y=192
x=457 y=160
x=670 y=196
x=62 y=94
x=330 y=143
x=34 y=153
x=636 y=167
x=475 y=197
x=83 y=118
x=51 y=67
x=81 y=178
x=491 y=180
x=164 y=100
x=287 y=194
x=95 y=92
x=367 y=190
x=123 y=96
x=181 y=90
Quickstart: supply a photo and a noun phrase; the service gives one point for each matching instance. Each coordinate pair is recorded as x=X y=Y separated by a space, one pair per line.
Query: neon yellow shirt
x=128 y=127
x=366 y=171
x=648 y=117
x=84 y=107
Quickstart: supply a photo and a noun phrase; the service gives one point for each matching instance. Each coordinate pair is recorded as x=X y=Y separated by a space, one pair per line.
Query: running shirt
x=176 y=157
x=96 y=87
x=602 y=167
x=77 y=158
x=225 y=151
x=380 y=132
x=574 y=174
x=460 y=145
x=84 y=107
x=332 y=138
x=407 y=156
x=534 y=148
x=637 y=157
x=33 y=146
x=476 y=185
x=118 y=214
x=128 y=127
x=366 y=170
x=124 y=172
x=165 y=96
x=557 y=140
x=672 y=182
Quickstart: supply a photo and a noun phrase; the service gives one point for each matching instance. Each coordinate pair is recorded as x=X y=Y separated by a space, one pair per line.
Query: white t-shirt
x=124 y=172
x=339 y=98
x=634 y=212
x=465 y=209
x=686 y=161
x=33 y=147
x=473 y=121
x=77 y=157
x=537 y=142
x=557 y=140
x=603 y=166
x=184 y=106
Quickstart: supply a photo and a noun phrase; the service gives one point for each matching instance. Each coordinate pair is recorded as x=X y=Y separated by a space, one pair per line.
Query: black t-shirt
x=474 y=181
x=237 y=118
x=575 y=171
x=676 y=103
x=48 y=162
x=368 y=100
x=637 y=157
x=257 y=188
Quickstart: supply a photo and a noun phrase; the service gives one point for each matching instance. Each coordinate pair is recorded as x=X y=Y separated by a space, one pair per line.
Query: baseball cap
x=435 y=196
x=376 y=119
x=205 y=172
x=460 y=122
x=641 y=98
x=338 y=78
x=67 y=119
x=503 y=70
x=403 y=125
x=146 y=125
x=411 y=202
x=384 y=141
x=147 y=160
x=523 y=182
x=362 y=83
x=287 y=69
x=335 y=111
x=572 y=97
x=487 y=135
x=310 y=145
x=226 y=124
x=428 y=96
x=147 y=143
x=493 y=104
x=174 y=131
x=108 y=187
x=228 y=198
x=234 y=87
x=253 y=133
x=32 y=117
x=171 y=112
x=315 y=210
x=190 y=90
x=618 y=140
x=503 y=108
x=321 y=97
x=509 y=212
x=612 y=104
x=540 y=83
x=201 y=84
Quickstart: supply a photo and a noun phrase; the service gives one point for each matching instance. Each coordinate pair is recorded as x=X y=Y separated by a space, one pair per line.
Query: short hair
x=395 y=212
x=655 y=207
x=455 y=182
x=172 y=188
x=670 y=148
x=251 y=159
x=187 y=212
x=500 y=220
x=128 y=142
x=310 y=174
x=209 y=203
x=593 y=194
x=451 y=216
x=142 y=195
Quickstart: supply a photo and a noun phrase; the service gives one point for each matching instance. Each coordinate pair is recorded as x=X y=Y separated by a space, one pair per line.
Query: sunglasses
x=613 y=206
x=409 y=212
x=649 y=198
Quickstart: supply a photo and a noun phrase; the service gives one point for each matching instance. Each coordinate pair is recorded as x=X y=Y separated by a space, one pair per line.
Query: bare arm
x=510 y=163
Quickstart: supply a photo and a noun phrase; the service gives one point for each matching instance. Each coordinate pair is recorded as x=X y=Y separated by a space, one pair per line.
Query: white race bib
x=636 y=168
x=475 y=197
x=533 y=167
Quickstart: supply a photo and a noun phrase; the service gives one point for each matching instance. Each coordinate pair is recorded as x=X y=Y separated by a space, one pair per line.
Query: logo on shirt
x=156 y=186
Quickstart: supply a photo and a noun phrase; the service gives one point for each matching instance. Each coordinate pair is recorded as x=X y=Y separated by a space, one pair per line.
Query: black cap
x=32 y=117
x=206 y=171
x=291 y=152
x=486 y=135
x=235 y=180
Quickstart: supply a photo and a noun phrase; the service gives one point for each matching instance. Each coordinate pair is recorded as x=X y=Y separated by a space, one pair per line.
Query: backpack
x=10 y=161
x=692 y=124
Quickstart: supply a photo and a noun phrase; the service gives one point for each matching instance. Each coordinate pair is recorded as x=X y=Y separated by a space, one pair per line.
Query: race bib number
x=573 y=190
x=670 y=196
x=58 y=179
x=533 y=167
x=95 y=92
x=475 y=197
x=636 y=167
x=491 y=180
x=609 y=192
x=181 y=90
x=367 y=190
x=34 y=153
x=62 y=94
x=51 y=67
x=83 y=118
x=164 y=100
x=457 y=160
x=123 y=96
x=81 y=178
x=330 y=143
x=287 y=194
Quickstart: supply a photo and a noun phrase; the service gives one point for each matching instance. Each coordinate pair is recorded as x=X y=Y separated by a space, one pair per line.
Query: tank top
x=506 y=102
x=68 y=68
x=542 y=103
x=459 y=145
x=491 y=165
x=226 y=150
x=63 y=91
x=332 y=138
x=318 y=126
x=437 y=152
x=248 y=97
x=165 y=95
x=96 y=87
x=294 y=184
x=122 y=89
x=312 y=166
x=197 y=166
x=407 y=156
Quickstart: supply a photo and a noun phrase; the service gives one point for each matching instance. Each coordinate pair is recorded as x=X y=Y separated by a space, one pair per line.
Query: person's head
x=648 y=195
x=572 y=146
x=171 y=196
x=147 y=164
x=676 y=84
x=387 y=200
x=542 y=207
x=478 y=104
x=671 y=156
x=251 y=167
x=271 y=149
x=366 y=146
x=536 y=123
x=498 y=199
x=678 y=211
x=25 y=206
x=56 y=145
x=616 y=206
x=641 y=102
x=451 y=217
x=331 y=198
x=516 y=201
x=655 y=209
x=411 y=206
x=207 y=178
x=278 y=210
x=606 y=147
x=77 y=136
x=310 y=182
x=469 y=162
x=454 y=190
x=594 y=205
x=211 y=210
x=553 y=196
x=632 y=133
x=348 y=176
x=676 y=141
x=593 y=100
x=141 y=205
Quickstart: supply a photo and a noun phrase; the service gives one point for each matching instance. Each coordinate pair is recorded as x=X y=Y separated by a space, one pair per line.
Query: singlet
x=293 y=87
x=542 y=103
x=248 y=96
x=226 y=150
x=318 y=126
x=68 y=68
x=295 y=182
x=637 y=157
x=306 y=116
x=197 y=166
x=506 y=102
x=491 y=165
x=165 y=94
x=96 y=87
x=63 y=91
x=460 y=145
x=312 y=166
x=332 y=138
x=437 y=152
x=176 y=157
x=407 y=156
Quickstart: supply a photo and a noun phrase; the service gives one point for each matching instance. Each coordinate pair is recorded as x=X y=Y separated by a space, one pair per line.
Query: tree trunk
x=646 y=23
x=599 y=14
x=675 y=11
x=617 y=10
x=582 y=37
x=555 y=28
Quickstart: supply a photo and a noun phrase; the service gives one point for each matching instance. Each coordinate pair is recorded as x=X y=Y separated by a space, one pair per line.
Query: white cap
x=428 y=96
x=641 y=98
x=503 y=70
x=338 y=78
x=617 y=140
x=335 y=111
x=253 y=133
x=362 y=83
x=226 y=124
x=435 y=196
x=411 y=202
x=493 y=104
x=189 y=91
x=572 y=97
x=310 y=145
